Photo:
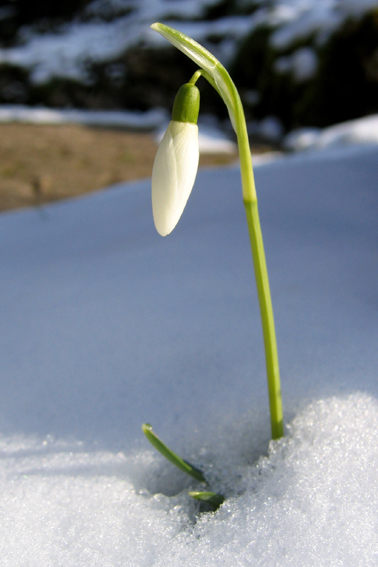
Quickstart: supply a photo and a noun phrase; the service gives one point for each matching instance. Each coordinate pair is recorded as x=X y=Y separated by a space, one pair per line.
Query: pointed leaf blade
x=170 y=455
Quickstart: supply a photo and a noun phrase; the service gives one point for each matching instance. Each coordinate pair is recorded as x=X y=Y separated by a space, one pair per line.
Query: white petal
x=173 y=174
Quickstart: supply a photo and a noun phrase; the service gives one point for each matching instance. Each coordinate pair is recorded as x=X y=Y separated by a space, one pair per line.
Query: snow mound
x=354 y=132
x=313 y=500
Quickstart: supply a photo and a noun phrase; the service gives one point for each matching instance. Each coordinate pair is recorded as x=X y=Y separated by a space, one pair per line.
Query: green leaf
x=211 y=498
x=170 y=455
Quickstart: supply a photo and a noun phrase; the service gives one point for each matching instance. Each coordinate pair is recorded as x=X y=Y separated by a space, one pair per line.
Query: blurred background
x=297 y=63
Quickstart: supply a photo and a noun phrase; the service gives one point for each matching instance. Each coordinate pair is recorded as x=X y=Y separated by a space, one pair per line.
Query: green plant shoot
x=173 y=177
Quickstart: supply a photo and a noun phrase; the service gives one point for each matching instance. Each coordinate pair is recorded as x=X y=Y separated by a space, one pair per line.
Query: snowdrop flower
x=173 y=177
x=176 y=161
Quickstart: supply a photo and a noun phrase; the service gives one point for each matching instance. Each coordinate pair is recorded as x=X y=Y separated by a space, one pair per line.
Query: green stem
x=257 y=246
x=266 y=310
x=195 y=77
x=261 y=272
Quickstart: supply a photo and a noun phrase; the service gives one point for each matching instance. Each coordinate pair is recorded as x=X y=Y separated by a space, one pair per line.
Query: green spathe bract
x=218 y=77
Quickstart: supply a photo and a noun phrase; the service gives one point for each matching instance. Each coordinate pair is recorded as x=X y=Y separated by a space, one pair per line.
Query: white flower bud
x=173 y=174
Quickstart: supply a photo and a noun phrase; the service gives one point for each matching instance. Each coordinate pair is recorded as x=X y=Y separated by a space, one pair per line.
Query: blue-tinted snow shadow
x=105 y=325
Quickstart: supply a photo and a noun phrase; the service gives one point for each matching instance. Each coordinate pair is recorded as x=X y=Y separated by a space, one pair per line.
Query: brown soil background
x=40 y=164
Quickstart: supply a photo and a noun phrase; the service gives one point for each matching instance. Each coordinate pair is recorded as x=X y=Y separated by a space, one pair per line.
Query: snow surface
x=69 y=51
x=106 y=118
x=105 y=325
x=354 y=132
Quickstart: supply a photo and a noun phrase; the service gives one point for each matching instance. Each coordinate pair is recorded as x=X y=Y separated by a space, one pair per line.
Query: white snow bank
x=313 y=500
x=360 y=131
x=106 y=118
x=105 y=325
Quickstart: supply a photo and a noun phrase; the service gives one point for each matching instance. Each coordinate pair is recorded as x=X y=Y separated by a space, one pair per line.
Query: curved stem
x=267 y=319
x=195 y=77
x=261 y=273
x=258 y=254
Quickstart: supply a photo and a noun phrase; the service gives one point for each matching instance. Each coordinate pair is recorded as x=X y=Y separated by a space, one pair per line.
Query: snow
x=70 y=52
x=270 y=128
x=318 y=18
x=119 y=25
x=105 y=325
x=299 y=19
x=354 y=132
x=302 y=64
x=135 y=120
x=312 y=499
x=212 y=140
